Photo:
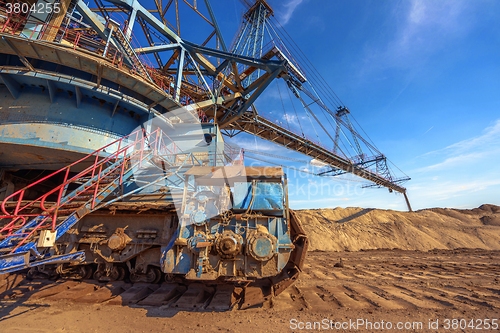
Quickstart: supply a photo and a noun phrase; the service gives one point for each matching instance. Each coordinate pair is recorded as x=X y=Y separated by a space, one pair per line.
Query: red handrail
x=138 y=140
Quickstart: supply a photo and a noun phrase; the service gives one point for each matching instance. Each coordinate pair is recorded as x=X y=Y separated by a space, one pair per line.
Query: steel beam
x=52 y=90
x=12 y=85
x=91 y=18
x=78 y=96
x=56 y=20
x=267 y=65
x=157 y=48
x=148 y=17
x=19 y=54
x=131 y=21
x=216 y=25
x=178 y=80
x=265 y=129
x=407 y=201
x=259 y=85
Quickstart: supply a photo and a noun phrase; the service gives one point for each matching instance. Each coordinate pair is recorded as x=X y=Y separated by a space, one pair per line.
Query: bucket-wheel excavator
x=133 y=177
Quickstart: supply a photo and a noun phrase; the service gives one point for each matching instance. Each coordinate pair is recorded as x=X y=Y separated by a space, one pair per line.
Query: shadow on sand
x=20 y=295
x=355 y=216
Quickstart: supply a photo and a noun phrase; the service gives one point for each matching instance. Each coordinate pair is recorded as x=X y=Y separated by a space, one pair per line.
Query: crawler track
x=194 y=296
x=186 y=296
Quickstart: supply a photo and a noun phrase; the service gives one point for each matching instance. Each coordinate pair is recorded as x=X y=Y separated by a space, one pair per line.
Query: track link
x=192 y=297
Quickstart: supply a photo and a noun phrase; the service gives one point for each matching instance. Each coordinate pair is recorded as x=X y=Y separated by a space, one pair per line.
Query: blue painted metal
x=168 y=247
x=12 y=85
x=28 y=247
x=68 y=223
x=18 y=261
x=175 y=262
x=9 y=241
x=35 y=133
x=13 y=262
x=250 y=40
x=267 y=196
x=211 y=245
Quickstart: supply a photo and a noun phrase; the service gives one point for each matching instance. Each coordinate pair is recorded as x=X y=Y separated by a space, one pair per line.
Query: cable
x=283 y=105
x=322 y=82
x=296 y=114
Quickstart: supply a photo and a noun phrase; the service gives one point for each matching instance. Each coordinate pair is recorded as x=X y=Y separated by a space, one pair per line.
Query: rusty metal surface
x=192 y=297
x=235 y=171
x=297 y=258
x=87 y=62
x=185 y=296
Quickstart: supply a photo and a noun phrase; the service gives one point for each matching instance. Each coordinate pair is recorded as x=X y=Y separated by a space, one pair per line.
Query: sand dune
x=354 y=229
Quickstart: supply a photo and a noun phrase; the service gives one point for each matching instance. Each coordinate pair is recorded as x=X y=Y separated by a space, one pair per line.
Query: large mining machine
x=113 y=158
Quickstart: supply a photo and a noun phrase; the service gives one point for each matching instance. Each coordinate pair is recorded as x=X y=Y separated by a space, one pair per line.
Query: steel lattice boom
x=259 y=38
x=139 y=57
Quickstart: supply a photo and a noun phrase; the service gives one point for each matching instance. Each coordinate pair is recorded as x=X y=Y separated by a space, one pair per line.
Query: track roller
x=152 y=275
x=113 y=273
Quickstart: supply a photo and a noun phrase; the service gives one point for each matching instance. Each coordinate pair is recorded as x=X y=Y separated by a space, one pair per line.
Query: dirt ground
x=376 y=290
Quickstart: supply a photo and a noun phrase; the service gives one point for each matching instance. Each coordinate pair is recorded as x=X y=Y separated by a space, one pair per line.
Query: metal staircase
x=31 y=227
x=126 y=48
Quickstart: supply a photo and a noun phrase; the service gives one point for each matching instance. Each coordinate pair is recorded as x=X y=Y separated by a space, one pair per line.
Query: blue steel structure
x=101 y=87
x=84 y=85
x=75 y=83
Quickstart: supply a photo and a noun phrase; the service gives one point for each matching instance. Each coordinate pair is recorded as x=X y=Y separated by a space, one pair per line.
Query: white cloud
x=287 y=11
x=454 y=161
x=290 y=119
x=454 y=192
x=428 y=23
x=253 y=144
x=463 y=174
x=417 y=12
x=489 y=138
x=426 y=26
x=449 y=189
x=472 y=150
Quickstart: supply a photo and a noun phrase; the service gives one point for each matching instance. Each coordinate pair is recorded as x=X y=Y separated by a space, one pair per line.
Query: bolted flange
x=229 y=244
x=261 y=246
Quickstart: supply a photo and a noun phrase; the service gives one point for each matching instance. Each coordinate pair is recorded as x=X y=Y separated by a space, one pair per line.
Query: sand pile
x=354 y=229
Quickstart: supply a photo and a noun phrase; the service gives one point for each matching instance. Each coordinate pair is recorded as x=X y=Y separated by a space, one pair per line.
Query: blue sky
x=423 y=80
